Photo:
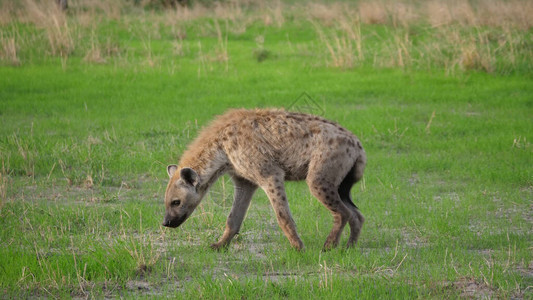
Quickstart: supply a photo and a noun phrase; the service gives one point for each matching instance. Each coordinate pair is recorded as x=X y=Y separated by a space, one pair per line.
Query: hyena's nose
x=166 y=223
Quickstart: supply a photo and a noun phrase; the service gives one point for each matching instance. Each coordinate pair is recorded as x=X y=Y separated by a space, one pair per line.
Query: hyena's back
x=263 y=141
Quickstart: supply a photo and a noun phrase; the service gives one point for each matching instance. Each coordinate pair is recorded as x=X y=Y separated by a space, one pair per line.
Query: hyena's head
x=181 y=197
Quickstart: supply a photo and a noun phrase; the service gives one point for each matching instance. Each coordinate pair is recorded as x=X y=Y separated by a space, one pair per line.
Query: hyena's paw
x=328 y=245
x=351 y=243
x=298 y=246
x=219 y=246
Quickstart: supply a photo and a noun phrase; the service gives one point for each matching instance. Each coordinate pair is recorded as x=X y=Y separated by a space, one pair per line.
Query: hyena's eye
x=175 y=202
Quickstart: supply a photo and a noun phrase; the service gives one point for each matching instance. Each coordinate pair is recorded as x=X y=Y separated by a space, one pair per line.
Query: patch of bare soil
x=413 y=238
x=277 y=277
x=527 y=271
x=86 y=193
x=138 y=285
x=473 y=289
x=528 y=214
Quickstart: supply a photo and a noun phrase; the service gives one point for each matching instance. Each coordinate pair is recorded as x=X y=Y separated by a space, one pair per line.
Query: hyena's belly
x=296 y=171
x=294 y=158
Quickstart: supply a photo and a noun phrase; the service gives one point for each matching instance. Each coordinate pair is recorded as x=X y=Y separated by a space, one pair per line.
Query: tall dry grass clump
x=272 y=13
x=340 y=49
x=181 y=14
x=493 y=13
x=400 y=51
x=8 y=49
x=98 y=52
x=4 y=184
x=457 y=49
x=457 y=35
x=231 y=10
x=112 y=9
x=59 y=32
x=372 y=12
x=475 y=53
x=8 y=12
x=339 y=30
x=396 y=13
x=488 y=35
x=338 y=27
x=326 y=14
x=61 y=37
x=506 y=13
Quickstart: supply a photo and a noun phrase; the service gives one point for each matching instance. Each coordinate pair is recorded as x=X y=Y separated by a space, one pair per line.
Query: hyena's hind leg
x=327 y=193
x=356 y=220
x=244 y=191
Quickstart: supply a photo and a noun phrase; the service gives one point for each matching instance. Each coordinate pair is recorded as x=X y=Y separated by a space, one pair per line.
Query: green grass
x=84 y=146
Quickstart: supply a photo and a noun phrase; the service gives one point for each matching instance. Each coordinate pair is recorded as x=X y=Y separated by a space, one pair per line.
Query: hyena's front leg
x=275 y=191
x=244 y=191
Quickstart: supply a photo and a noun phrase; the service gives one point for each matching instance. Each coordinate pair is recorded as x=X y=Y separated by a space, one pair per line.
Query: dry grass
x=326 y=14
x=495 y=13
x=231 y=10
x=401 y=51
x=25 y=152
x=185 y=13
x=8 y=11
x=60 y=37
x=473 y=56
x=339 y=30
x=372 y=13
x=221 y=50
x=3 y=185
x=343 y=31
x=464 y=37
x=8 y=49
x=340 y=48
x=60 y=34
x=272 y=13
x=98 y=52
x=217 y=55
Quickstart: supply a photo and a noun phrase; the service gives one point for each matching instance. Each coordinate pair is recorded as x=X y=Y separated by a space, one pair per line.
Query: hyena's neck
x=208 y=165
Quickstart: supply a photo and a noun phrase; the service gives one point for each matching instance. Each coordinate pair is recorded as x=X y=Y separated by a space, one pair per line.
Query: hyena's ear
x=171 y=169
x=189 y=176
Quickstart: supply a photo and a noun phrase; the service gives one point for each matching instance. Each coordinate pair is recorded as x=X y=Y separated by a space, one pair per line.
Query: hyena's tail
x=354 y=175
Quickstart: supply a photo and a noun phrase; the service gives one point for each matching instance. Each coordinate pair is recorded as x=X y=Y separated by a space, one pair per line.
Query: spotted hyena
x=264 y=148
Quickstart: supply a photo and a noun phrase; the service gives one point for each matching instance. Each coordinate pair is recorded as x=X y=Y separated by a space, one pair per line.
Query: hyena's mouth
x=175 y=222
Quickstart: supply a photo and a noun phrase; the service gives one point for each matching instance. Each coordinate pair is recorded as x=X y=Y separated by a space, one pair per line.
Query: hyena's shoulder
x=228 y=126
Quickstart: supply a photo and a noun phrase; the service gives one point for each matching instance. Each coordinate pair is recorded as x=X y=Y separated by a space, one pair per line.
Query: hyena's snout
x=174 y=221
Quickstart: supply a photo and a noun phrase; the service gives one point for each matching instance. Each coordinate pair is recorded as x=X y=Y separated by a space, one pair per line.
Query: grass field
x=95 y=102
